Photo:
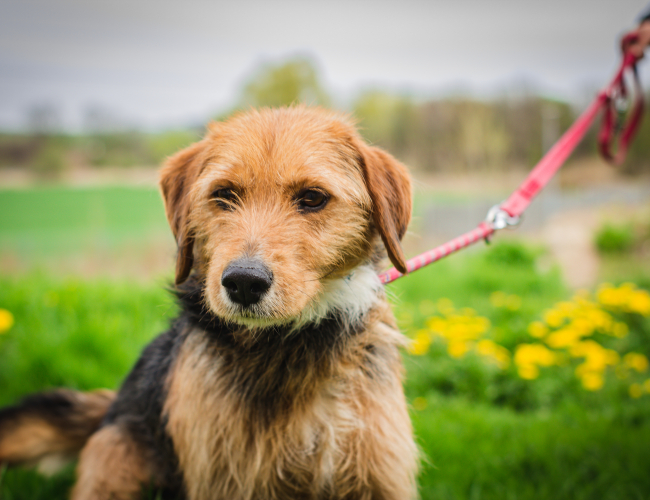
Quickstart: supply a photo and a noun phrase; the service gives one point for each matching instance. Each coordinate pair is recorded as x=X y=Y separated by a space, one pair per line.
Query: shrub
x=612 y=238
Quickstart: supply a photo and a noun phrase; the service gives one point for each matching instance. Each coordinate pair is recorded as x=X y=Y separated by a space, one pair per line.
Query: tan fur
x=347 y=433
x=267 y=157
x=304 y=399
x=344 y=431
x=111 y=467
x=31 y=439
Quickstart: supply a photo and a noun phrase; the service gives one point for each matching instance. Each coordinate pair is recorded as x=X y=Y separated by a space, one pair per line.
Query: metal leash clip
x=498 y=218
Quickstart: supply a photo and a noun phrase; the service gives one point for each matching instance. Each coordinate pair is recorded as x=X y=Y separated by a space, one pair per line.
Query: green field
x=485 y=433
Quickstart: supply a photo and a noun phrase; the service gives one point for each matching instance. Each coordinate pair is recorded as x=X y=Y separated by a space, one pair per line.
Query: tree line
x=454 y=134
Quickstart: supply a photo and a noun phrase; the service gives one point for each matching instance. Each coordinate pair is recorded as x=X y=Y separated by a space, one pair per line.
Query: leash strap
x=509 y=212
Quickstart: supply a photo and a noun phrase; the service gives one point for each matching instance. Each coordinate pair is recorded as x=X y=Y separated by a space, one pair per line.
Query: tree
x=290 y=82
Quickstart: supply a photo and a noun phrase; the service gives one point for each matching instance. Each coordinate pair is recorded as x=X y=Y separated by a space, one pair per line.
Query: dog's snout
x=246 y=281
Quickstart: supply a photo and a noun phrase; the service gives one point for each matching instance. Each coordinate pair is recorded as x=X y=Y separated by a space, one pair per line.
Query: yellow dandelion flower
x=592 y=381
x=582 y=325
x=563 y=338
x=534 y=354
x=457 y=348
x=6 y=320
x=420 y=404
x=636 y=391
x=646 y=386
x=528 y=372
x=636 y=361
x=554 y=318
x=619 y=330
x=537 y=329
x=419 y=346
x=437 y=325
x=499 y=354
x=640 y=303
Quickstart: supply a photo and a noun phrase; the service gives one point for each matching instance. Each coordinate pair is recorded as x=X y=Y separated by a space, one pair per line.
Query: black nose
x=246 y=280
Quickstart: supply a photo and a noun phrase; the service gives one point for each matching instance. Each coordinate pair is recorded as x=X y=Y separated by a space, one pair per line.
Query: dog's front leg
x=111 y=467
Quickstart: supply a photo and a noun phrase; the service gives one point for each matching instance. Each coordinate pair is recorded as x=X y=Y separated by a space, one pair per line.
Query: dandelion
x=626 y=298
x=419 y=346
x=420 y=404
x=534 y=353
x=636 y=391
x=457 y=348
x=619 y=330
x=554 y=318
x=537 y=329
x=528 y=372
x=646 y=386
x=640 y=303
x=528 y=358
x=592 y=381
x=497 y=353
x=636 y=361
x=6 y=320
x=565 y=337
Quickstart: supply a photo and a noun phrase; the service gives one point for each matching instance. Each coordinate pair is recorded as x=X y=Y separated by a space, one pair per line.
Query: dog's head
x=275 y=209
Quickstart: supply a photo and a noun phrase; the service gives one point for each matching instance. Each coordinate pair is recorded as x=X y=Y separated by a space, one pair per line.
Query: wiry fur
x=298 y=396
x=49 y=429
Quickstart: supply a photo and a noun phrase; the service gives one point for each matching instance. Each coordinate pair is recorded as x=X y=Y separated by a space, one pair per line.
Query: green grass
x=87 y=334
x=56 y=220
x=75 y=334
x=484 y=434
x=477 y=452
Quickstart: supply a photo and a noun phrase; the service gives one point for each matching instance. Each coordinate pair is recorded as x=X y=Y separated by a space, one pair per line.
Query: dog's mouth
x=254 y=317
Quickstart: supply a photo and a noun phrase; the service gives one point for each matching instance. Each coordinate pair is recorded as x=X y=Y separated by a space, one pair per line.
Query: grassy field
x=485 y=432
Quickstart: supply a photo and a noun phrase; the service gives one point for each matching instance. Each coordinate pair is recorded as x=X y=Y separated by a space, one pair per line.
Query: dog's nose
x=246 y=280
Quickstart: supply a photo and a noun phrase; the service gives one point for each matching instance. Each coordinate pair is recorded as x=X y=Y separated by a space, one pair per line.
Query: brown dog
x=281 y=377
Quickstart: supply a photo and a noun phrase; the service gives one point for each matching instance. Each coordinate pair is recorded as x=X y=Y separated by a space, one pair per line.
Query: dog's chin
x=258 y=322
x=254 y=317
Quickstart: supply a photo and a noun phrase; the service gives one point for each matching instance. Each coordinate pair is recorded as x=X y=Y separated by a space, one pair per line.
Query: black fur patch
x=266 y=368
x=264 y=371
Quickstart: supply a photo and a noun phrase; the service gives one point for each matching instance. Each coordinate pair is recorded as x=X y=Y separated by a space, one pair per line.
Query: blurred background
x=527 y=372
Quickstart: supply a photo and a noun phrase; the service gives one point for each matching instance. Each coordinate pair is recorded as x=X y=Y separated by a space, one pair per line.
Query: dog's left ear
x=176 y=179
x=389 y=185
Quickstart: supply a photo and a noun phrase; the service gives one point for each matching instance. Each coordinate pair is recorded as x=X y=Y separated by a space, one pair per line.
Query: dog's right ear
x=176 y=179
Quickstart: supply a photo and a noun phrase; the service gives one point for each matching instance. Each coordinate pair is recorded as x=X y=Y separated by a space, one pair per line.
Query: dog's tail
x=48 y=430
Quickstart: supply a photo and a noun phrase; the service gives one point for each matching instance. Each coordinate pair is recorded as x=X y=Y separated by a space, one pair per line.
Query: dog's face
x=274 y=208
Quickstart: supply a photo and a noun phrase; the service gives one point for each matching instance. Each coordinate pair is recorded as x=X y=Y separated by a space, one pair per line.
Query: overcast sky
x=165 y=63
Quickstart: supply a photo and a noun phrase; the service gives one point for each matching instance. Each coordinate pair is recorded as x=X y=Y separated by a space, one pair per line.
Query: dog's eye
x=312 y=200
x=225 y=198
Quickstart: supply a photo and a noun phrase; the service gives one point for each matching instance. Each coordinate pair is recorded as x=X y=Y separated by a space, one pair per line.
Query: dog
x=281 y=377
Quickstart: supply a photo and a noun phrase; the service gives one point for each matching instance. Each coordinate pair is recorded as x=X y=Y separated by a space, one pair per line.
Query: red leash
x=509 y=212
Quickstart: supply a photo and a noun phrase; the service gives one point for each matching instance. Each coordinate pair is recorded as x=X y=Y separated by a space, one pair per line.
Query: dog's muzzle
x=246 y=281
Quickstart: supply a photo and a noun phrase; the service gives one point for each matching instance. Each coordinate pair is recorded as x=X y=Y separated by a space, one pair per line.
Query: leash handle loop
x=509 y=212
x=612 y=129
